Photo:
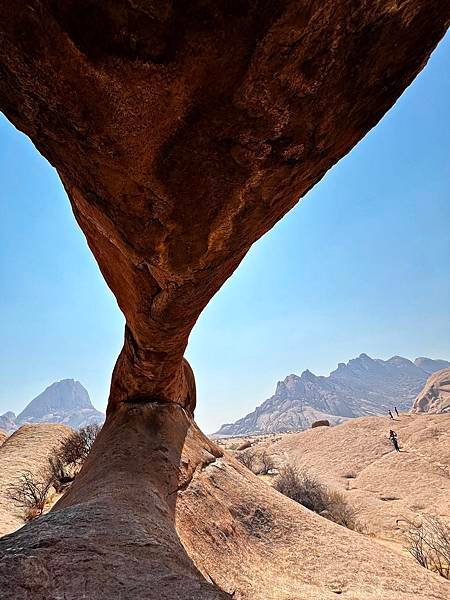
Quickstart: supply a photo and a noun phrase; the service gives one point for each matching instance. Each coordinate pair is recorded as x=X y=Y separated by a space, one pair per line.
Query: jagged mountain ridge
x=364 y=386
x=65 y=402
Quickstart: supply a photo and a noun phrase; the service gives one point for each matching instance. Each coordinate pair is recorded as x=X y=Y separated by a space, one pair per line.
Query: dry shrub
x=340 y=511
x=78 y=445
x=314 y=495
x=429 y=544
x=66 y=461
x=266 y=462
x=247 y=458
x=59 y=470
x=30 y=492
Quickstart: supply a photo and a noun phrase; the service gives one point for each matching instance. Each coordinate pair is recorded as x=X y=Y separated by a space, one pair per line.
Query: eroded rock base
x=113 y=534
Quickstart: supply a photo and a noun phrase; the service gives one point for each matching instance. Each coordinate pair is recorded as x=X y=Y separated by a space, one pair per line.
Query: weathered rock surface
x=182 y=132
x=114 y=533
x=3 y=436
x=27 y=449
x=363 y=386
x=66 y=402
x=435 y=396
x=357 y=459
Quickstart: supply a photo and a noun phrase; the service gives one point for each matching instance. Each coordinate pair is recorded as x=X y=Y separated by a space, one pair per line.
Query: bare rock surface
x=27 y=449
x=3 y=436
x=112 y=535
x=111 y=531
x=253 y=542
x=435 y=396
x=357 y=459
x=182 y=132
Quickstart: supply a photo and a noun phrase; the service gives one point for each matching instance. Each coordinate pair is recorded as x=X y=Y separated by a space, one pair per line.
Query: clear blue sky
x=362 y=264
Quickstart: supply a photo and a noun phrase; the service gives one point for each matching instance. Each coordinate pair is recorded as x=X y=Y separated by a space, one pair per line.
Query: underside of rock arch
x=182 y=132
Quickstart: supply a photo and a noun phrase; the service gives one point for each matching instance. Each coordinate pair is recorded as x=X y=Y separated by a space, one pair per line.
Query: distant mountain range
x=65 y=402
x=363 y=386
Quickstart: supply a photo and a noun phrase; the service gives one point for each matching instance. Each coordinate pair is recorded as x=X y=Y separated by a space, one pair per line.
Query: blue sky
x=362 y=264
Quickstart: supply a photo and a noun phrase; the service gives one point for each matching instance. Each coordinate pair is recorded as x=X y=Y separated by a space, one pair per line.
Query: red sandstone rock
x=182 y=132
x=113 y=535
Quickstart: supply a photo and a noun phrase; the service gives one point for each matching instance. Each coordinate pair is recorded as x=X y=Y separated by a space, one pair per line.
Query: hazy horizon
x=360 y=265
x=257 y=402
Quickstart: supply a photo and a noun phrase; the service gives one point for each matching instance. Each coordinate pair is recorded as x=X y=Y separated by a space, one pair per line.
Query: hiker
x=390 y=414
x=396 y=411
x=393 y=438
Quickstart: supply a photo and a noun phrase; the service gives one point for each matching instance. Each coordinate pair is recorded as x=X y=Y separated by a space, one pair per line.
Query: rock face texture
x=182 y=132
x=65 y=401
x=357 y=459
x=27 y=449
x=114 y=532
x=363 y=386
x=435 y=396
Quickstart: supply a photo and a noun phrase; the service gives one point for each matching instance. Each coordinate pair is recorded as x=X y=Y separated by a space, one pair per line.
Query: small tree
x=78 y=445
x=30 y=492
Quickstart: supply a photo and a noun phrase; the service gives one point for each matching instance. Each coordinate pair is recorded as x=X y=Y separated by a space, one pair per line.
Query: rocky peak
x=9 y=415
x=8 y=421
x=307 y=375
x=65 y=401
x=64 y=395
x=435 y=396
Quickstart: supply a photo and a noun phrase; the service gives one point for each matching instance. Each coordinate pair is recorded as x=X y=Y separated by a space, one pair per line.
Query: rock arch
x=182 y=132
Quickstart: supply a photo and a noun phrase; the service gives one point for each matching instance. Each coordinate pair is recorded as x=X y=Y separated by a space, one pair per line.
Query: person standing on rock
x=393 y=438
x=390 y=414
x=396 y=411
